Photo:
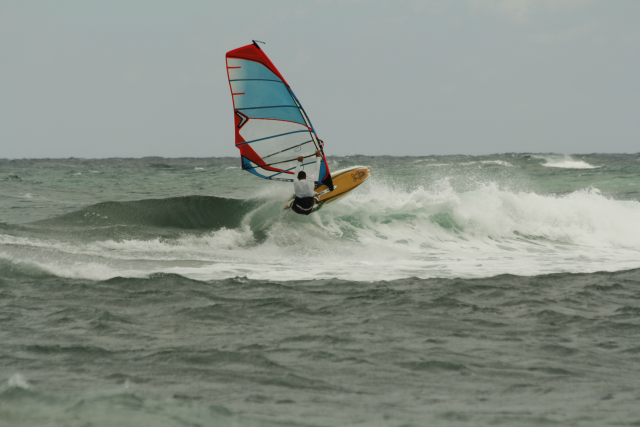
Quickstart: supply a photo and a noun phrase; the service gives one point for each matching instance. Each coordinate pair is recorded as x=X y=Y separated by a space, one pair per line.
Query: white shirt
x=305 y=187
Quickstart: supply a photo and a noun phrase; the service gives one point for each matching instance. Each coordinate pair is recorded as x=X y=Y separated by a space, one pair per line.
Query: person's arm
x=298 y=166
x=314 y=175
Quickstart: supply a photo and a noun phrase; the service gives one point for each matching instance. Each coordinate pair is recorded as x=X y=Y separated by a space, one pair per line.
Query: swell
x=188 y=213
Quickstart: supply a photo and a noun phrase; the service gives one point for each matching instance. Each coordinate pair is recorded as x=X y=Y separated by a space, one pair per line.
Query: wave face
x=430 y=217
x=188 y=213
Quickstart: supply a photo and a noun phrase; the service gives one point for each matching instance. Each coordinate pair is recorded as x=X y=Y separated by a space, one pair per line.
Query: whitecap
x=564 y=162
x=496 y=162
x=18 y=381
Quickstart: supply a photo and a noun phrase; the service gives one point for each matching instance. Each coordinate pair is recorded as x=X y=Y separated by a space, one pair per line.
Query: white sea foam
x=376 y=233
x=18 y=381
x=480 y=162
x=564 y=162
x=496 y=162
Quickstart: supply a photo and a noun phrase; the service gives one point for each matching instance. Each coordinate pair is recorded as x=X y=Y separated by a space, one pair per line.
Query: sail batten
x=271 y=128
x=267 y=106
x=274 y=136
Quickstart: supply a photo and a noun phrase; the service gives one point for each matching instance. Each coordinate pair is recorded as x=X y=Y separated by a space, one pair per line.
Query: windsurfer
x=304 y=187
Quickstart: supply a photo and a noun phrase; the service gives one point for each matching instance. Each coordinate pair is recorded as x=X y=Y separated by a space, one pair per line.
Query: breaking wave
x=376 y=233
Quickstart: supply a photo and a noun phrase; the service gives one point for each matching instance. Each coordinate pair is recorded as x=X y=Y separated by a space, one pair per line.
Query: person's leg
x=294 y=205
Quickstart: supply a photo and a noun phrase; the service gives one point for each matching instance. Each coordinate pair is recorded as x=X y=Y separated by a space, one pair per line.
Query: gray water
x=496 y=290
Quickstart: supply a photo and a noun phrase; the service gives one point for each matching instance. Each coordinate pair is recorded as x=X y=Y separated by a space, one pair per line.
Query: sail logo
x=358 y=175
x=243 y=119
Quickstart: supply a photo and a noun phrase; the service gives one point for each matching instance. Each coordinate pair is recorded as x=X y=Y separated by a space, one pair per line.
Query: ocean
x=445 y=291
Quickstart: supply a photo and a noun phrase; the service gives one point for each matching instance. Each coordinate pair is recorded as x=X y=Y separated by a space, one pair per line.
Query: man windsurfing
x=304 y=187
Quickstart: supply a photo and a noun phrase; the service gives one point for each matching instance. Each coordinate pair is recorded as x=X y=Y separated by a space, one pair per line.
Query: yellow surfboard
x=344 y=181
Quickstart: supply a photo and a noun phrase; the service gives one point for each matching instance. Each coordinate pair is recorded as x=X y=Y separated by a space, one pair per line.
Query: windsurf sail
x=272 y=129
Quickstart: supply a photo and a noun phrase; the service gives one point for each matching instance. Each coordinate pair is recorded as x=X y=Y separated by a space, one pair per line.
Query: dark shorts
x=303 y=205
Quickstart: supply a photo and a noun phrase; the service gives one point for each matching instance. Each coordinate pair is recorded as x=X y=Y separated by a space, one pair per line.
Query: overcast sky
x=148 y=78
